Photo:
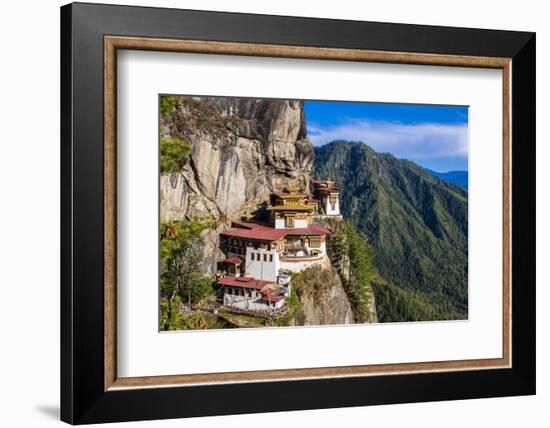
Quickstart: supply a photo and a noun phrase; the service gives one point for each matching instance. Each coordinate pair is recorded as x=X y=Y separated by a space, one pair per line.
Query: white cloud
x=408 y=141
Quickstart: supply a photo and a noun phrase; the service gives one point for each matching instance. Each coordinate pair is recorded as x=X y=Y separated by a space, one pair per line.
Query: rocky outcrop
x=242 y=149
x=373 y=314
x=322 y=296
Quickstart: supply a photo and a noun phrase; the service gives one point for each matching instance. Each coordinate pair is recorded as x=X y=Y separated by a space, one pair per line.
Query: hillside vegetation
x=353 y=258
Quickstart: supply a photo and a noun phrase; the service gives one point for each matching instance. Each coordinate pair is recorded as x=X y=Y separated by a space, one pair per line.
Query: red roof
x=268 y=233
x=251 y=224
x=328 y=189
x=260 y=233
x=243 y=282
x=271 y=298
x=271 y=295
x=234 y=260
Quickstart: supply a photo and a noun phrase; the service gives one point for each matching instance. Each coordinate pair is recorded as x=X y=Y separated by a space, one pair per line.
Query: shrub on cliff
x=362 y=273
x=174 y=153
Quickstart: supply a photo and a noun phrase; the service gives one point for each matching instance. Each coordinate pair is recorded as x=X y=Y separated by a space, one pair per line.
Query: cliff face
x=242 y=149
x=322 y=296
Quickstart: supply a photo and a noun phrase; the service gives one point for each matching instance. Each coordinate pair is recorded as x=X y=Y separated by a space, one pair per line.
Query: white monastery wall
x=262 y=264
x=280 y=223
x=248 y=304
x=328 y=207
x=300 y=266
x=300 y=223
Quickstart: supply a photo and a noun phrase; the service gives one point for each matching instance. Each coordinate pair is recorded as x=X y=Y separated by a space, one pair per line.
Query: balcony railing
x=292 y=258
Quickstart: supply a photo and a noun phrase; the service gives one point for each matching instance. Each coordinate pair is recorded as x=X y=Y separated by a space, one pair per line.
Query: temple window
x=315 y=241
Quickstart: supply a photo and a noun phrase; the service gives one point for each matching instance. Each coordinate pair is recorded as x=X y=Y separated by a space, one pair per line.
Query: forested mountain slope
x=417 y=224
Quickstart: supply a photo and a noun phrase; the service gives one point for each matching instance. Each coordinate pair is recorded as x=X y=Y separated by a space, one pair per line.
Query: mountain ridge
x=417 y=223
x=458 y=177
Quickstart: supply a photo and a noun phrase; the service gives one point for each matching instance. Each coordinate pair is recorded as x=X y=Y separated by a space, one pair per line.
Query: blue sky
x=434 y=137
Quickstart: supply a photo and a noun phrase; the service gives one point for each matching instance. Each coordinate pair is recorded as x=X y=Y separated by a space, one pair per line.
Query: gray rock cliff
x=322 y=296
x=242 y=149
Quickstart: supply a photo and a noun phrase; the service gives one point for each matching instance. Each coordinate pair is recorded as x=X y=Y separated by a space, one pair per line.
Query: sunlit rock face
x=243 y=149
x=322 y=296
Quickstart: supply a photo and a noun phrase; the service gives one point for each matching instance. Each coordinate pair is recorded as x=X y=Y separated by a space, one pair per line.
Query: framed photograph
x=267 y=213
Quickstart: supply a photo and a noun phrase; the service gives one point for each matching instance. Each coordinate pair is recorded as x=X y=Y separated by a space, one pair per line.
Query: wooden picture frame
x=91 y=390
